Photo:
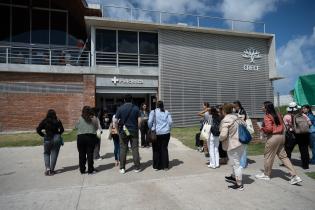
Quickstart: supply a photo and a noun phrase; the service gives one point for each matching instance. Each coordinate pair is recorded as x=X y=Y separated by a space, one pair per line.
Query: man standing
x=129 y=119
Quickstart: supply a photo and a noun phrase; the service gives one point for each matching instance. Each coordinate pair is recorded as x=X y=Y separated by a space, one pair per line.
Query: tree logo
x=252 y=54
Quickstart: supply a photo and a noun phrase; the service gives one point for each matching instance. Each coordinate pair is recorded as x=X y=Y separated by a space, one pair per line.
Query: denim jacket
x=163 y=121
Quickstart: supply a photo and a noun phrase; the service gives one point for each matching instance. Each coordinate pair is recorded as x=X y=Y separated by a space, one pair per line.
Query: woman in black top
x=52 y=140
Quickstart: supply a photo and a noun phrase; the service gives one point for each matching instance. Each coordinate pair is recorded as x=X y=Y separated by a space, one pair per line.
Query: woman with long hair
x=273 y=128
x=86 y=139
x=161 y=121
x=230 y=143
x=52 y=140
x=144 y=125
x=213 y=142
x=307 y=109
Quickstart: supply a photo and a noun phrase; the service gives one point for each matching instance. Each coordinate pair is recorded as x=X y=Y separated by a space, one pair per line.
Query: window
x=58 y=28
x=40 y=26
x=5 y=23
x=127 y=42
x=20 y=25
x=148 y=43
x=105 y=40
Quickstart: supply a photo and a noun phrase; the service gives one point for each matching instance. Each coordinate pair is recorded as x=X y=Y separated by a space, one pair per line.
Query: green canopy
x=304 y=90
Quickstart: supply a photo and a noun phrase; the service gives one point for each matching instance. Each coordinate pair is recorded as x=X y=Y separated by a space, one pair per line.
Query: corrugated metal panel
x=197 y=67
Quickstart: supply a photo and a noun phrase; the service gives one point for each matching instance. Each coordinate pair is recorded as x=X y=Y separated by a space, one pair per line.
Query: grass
x=187 y=136
x=311 y=174
x=30 y=139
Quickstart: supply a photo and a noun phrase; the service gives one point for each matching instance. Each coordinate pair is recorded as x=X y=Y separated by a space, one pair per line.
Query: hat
x=289 y=109
x=292 y=105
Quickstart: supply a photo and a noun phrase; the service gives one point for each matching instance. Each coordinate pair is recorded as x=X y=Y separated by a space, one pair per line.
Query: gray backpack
x=300 y=124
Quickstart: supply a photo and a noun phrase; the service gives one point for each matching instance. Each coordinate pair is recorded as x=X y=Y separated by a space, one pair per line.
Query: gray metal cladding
x=197 y=67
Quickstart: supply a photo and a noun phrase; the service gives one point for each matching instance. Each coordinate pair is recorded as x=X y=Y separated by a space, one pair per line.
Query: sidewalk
x=189 y=184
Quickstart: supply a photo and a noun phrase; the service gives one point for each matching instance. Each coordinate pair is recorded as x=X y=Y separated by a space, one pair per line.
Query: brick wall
x=22 y=111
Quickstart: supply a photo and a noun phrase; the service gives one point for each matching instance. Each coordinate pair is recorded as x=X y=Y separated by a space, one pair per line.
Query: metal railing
x=185 y=20
x=44 y=56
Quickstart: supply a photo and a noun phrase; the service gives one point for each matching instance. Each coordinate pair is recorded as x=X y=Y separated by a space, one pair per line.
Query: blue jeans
x=51 y=151
x=116 y=146
x=312 y=144
x=243 y=161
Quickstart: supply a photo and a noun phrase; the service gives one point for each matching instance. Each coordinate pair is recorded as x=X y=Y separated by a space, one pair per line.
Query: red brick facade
x=22 y=111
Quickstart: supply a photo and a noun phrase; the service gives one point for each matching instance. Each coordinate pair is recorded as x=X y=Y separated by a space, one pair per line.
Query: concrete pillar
x=93 y=39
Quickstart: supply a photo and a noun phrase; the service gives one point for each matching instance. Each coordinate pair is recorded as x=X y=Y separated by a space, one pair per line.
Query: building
x=79 y=57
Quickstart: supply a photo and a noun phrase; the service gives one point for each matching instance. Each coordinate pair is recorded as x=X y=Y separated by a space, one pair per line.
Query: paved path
x=189 y=184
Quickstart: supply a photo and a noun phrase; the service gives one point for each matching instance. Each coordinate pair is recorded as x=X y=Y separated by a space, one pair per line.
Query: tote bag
x=205 y=132
x=249 y=126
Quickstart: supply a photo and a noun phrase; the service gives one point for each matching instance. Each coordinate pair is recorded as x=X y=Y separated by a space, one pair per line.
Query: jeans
x=312 y=144
x=51 y=151
x=244 y=157
x=213 y=144
x=116 y=146
x=97 y=148
x=124 y=141
x=234 y=158
x=144 y=130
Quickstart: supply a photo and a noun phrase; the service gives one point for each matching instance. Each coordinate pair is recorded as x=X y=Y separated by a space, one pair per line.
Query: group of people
x=282 y=134
x=123 y=130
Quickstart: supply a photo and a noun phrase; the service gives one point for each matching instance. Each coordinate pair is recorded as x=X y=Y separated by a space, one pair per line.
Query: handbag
x=243 y=134
x=151 y=135
x=99 y=133
x=205 y=132
x=249 y=126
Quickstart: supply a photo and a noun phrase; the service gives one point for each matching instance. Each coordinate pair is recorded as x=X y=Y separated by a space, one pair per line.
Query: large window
x=132 y=49
x=5 y=23
x=40 y=26
x=20 y=24
x=58 y=28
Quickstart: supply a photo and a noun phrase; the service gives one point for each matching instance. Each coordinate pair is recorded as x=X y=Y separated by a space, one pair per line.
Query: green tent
x=304 y=90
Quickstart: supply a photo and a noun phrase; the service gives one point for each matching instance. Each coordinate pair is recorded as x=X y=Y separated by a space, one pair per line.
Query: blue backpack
x=243 y=134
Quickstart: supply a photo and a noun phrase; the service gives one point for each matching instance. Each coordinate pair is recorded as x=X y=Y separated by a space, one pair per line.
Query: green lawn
x=30 y=139
x=311 y=174
x=187 y=136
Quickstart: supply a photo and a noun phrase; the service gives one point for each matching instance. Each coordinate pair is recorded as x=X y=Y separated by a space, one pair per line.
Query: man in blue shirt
x=129 y=118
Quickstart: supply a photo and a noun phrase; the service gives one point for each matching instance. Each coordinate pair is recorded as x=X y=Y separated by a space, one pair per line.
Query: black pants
x=222 y=153
x=160 y=152
x=303 y=141
x=198 y=142
x=97 y=148
x=144 y=130
x=86 y=144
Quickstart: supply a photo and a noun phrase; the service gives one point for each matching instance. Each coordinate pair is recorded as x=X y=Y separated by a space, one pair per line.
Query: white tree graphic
x=251 y=53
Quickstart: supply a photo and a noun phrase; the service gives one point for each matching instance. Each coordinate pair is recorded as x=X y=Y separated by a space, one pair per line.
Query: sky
x=292 y=22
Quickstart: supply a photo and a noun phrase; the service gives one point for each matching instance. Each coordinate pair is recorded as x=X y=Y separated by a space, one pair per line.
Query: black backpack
x=215 y=127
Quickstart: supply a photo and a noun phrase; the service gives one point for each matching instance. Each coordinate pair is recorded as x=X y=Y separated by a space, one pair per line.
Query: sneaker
x=99 y=159
x=91 y=173
x=237 y=187
x=137 y=170
x=295 y=180
x=155 y=169
x=47 y=173
x=262 y=176
x=211 y=166
x=122 y=171
x=230 y=179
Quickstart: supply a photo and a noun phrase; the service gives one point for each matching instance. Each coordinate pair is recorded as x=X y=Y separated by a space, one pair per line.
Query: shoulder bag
x=152 y=133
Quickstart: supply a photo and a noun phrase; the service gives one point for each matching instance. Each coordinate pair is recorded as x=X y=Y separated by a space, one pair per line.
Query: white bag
x=99 y=133
x=205 y=132
x=250 y=127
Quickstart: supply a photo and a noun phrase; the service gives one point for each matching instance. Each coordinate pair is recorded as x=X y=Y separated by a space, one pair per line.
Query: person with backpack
x=307 y=109
x=52 y=140
x=300 y=128
x=230 y=142
x=214 y=139
x=273 y=129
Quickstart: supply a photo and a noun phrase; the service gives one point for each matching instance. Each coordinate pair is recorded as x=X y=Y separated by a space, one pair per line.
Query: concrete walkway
x=189 y=184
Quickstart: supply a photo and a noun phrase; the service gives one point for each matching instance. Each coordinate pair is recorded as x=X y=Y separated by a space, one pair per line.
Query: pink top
x=287 y=119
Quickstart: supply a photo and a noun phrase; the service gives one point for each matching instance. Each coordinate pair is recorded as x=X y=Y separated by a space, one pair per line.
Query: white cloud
x=294 y=59
x=252 y=10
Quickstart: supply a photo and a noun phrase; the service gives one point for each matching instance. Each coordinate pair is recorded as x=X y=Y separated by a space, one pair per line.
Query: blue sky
x=292 y=21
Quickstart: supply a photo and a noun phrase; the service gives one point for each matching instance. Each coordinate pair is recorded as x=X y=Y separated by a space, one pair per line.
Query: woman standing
x=113 y=134
x=230 y=142
x=86 y=139
x=214 y=139
x=273 y=128
x=307 y=109
x=144 y=125
x=241 y=113
x=52 y=140
x=161 y=121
